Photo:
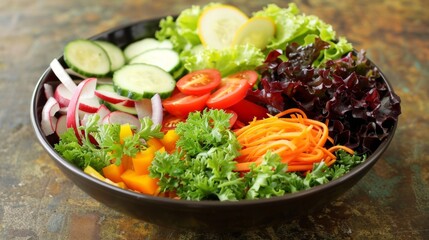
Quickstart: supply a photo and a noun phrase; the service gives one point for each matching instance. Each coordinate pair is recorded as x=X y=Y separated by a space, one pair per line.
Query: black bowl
x=193 y=215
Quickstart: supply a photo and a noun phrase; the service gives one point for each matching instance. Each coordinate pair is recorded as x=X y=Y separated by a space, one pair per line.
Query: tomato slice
x=199 y=82
x=181 y=104
x=233 y=118
x=247 y=110
x=250 y=75
x=228 y=94
x=170 y=122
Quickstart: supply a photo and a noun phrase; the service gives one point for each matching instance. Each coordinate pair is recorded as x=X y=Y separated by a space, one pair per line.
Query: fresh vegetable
x=169 y=140
x=84 y=90
x=349 y=93
x=49 y=121
x=140 y=182
x=228 y=94
x=269 y=178
x=199 y=82
x=181 y=105
x=87 y=58
x=250 y=75
x=62 y=75
x=202 y=167
x=48 y=90
x=157 y=111
x=62 y=95
x=61 y=125
x=113 y=172
x=247 y=111
x=138 y=47
x=121 y=107
x=170 y=122
x=227 y=60
x=211 y=135
x=137 y=81
x=115 y=54
x=299 y=141
x=107 y=147
x=120 y=117
x=292 y=26
x=107 y=93
x=165 y=58
x=257 y=31
x=218 y=24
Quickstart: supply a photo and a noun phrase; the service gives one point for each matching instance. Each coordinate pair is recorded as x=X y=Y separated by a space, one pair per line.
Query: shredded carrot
x=298 y=140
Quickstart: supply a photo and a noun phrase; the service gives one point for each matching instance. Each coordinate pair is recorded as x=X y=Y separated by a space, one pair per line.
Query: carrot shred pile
x=297 y=139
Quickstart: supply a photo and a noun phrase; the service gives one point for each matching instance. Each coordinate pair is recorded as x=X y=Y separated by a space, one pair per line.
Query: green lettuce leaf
x=227 y=61
x=292 y=26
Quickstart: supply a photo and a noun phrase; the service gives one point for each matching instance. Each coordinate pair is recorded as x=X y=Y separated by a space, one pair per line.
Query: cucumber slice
x=115 y=54
x=137 y=47
x=119 y=107
x=137 y=81
x=165 y=58
x=87 y=58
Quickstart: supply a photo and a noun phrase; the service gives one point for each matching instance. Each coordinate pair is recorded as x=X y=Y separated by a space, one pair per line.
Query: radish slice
x=62 y=75
x=85 y=89
x=143 y=108
x=49 y=91
x=62 y=95
x=103 y=111
x=113 y=97
x=87 y=104
x=61 y=126
x=157 y=112
x=49 y=121
x=121 y=118
x=84 y=118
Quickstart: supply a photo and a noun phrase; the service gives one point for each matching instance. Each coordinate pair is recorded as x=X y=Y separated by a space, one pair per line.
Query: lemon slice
x=218 y=24
x=257 y=31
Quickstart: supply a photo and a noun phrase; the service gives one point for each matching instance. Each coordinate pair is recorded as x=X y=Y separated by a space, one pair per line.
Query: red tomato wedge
x=181 y=104
x=228 y=94
x=247 y=110
x=233 y=118
x=250 y=75
x=170 y=122
x=199 y=82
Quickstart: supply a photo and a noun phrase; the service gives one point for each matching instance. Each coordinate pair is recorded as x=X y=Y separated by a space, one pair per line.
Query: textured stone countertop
x=39 y=202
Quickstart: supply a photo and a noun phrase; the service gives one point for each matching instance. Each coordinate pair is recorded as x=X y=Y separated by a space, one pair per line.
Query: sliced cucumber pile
x=140 y=70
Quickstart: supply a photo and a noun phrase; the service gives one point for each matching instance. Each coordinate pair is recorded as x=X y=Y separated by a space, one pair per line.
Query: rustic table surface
x=39 y=202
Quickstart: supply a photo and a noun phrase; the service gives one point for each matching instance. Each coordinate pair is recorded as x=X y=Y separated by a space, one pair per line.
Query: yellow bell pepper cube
x=141 y=183
x=143 y=159
x=169 y=140
x=125 y=132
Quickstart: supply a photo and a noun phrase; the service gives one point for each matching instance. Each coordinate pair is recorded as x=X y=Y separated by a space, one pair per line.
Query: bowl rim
x=366 y=165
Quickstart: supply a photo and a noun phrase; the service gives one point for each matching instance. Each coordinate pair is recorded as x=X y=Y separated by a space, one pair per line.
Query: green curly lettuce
x=227 y=60
x=292 y=26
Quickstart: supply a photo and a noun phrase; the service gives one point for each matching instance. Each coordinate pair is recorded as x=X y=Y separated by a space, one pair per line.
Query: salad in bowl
x=215 y=109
